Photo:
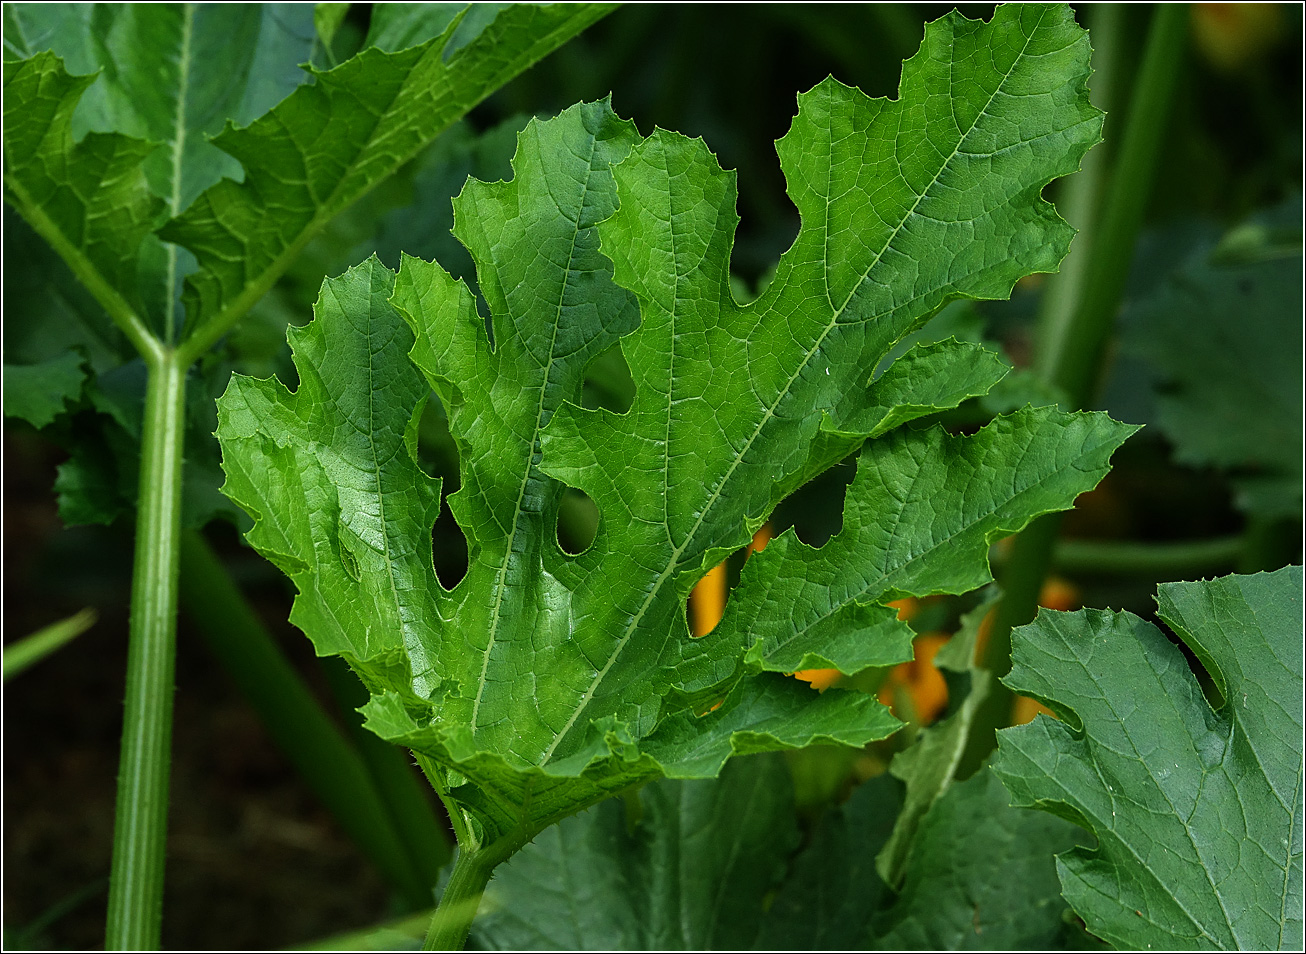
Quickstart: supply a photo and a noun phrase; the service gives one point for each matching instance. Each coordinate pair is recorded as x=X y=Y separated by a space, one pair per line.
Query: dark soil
x=254 y=861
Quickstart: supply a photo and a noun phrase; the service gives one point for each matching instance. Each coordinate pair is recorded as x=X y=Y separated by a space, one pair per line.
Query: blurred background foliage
x=1208 y=354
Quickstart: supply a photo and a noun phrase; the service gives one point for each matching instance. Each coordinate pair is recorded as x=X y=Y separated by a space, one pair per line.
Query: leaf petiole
x=140 y=826
x=453 y=918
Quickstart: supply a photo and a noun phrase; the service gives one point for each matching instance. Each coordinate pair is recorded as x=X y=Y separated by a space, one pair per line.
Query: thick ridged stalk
x=452 y=920
x=140 y=826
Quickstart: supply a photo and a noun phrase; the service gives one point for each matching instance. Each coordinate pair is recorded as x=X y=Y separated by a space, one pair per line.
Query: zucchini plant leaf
x=398 y=26
x=900 y=538
x=831 y=891
x=38 y=393
x=684 y=865
x=167 y=75
x=1197 y=808
x=1229 y=391
x=333 y=140
x=172 y=74
x=545 y=681
x=89 y=199
x=981 y=876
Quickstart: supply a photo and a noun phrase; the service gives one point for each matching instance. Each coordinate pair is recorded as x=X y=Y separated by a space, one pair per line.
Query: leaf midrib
x=531 y=466
x=178 y=151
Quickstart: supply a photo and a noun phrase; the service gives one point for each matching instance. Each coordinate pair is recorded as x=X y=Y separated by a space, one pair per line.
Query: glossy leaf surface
x=543 y=681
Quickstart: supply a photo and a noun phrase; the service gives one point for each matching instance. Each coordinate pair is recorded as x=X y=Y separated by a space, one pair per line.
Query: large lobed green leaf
x=1197 y=807
x=543 y=681
x=328 y=144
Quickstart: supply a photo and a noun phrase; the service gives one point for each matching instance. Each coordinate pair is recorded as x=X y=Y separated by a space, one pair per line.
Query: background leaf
x=1223 y=338
x=170 y=74
x=88 y=198
x=980 y=877
x=713 y=864
x=1197 y=808
x=831 y=890
x=38 y=393
x=930 y=765
x=680 y=866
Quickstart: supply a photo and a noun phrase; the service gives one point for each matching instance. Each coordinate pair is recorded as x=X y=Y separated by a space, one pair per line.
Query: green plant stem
x=457 y=821
x=1079 y=198
x=452 y=920
x=311 y=740
x=30 y=650
x=1075 y=365
x=140 y=826
x=1076 y=339
x=1161 y=561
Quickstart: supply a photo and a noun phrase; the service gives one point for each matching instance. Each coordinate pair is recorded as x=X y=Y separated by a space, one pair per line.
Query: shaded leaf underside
x=715 y=865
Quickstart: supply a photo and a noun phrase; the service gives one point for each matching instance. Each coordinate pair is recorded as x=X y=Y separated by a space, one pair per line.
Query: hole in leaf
x=706 y=708
x=448 y=548
x=608 y=383
x=578 y=521
x=815 y=510
x=706 y=604
x=437 y=454
x=707 y=600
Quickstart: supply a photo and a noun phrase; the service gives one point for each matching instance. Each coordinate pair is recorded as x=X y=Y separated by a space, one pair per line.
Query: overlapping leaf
x=89 y=199
x=39 y=393
x=168 y=76
x=171 y=74
x=980 y=877
x=544 y=681
x=1197 y=809
x=929 y=767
